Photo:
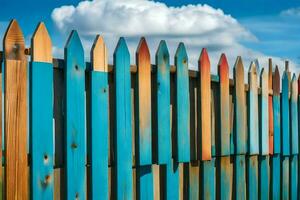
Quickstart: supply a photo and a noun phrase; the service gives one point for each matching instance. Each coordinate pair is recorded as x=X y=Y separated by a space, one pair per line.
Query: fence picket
x=143 y=123
x=270 y=103
x=15 y=114
x=162 y=130
x=122 y=130
x=75 y=118
x=205 y=107
x=99 y=124
x=208 y=179
x=182 y=107
x=41 y=115
x=285 y=116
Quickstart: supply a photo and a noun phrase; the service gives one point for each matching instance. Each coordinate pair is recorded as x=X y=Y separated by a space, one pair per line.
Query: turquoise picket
x=294 y=185
x=224 y=178
x=182 y=105
x=294 y=116
x=162 y=132
x=172 y=181
x=208 y=179
x=239 y=175
x=276 y=112
x=41 y=130
x=252 y=177
x=285 y=116
x=75 y=149
x=263 y=175
x=122 y=126
x=285 y=171
x=275 y=179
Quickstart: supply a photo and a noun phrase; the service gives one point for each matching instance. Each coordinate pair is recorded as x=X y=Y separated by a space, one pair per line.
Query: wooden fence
x=76 y=130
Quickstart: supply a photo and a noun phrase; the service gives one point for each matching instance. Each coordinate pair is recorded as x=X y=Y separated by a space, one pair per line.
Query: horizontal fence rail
x=90 y=130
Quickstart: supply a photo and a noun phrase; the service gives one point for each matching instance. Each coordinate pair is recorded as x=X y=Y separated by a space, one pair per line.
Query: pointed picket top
x=264 y=77
x=204 y=59
x=294 y=88
x=143 y=49
x=285 y=79
x=223 y=67
x=74 y=48
x=121 y=47
x=252 y=75
x=41 y=45
x=181 y=51
x=162 y=51
x=270 y=73
x=276 y=82
x=13 y=42
x=99 y=57
x=239 y=70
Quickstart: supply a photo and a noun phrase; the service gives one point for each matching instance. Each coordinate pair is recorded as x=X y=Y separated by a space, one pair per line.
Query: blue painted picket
x=75 y=148
x=122 y=129
x=285 y=116
x=182 y=105
x=208 y=179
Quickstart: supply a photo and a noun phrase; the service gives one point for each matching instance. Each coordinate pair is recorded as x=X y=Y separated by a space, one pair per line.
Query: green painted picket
x=161 y=131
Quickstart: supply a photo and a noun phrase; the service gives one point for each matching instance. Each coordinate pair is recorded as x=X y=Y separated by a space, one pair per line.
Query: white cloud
x=293 y=12
x=197 y=26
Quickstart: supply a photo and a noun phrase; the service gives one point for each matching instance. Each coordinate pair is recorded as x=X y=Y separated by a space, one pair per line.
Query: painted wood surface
x=143 y=123
x=162 y=132
x=294 y=116
x=224 y=107
x=122 y=130
x=193 y=183
x=15 y=114
x=252 y=177
x=270 y=103
x=276 y=112
x=205 y=104
x=41 y=116
x=143 y=111
x=275 y=177
x=224 y=178
x=240 y=137
x=294 y=180
x=253 y=110
x=285 y=116
x=264 y=178
x=99 y=124
x=285 y=171
x=171 y=181
x=75 y=149
x=182 y=105
x=208 y=179
x=264 y=114
x=239 y=173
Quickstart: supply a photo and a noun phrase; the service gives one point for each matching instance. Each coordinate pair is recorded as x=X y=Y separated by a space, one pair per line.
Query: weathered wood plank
x=172 y=181
x=294 y=116
x=75 y=132
x=224 y=108
x=294 y=185
x=285 y=171
x=15 y=114
x=143 y=124
x=122 y=130
x=41 y=116
x=276 y=112
x=208 y=179
x=224 y=178
x=270 y=103
x=275 y=177
x=252 y=177
x=285 y=116
x=182 y=106
x=240 y=137
x=193 y=180
x=264 y=114
x=253 y=141
x=205 y=106
x=162 y=130
x=264 y=178
x=99 y=124
x=239 y=174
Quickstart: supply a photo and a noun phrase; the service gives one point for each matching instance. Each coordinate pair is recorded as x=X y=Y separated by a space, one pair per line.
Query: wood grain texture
x=224 y=178
x=285 y=115
x=270 y=105
x=276 y=112
x=99 y=122
x=240 y=137
x=264 y=114
x=182 y=106
x=123 y=130
x=294 y=116
x=143 y=123
x=275 y=177
x=75 y=132
x=264 y=177
x=294 y=177
x=208 y=179
x=41 y=116
x=253 y=141
x=205 y=99
x=239 y=175
x=285 y=183
x=41 y=45
x=15 y=114
x=143 y=105
x=162 y=130
x=224 y=107
x=252 y=177
x=99 y=55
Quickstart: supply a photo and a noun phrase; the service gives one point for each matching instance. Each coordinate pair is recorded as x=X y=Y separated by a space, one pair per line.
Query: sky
x=253 y=29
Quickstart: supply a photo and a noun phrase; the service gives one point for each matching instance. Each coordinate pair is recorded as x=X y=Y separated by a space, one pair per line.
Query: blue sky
x=251 y=28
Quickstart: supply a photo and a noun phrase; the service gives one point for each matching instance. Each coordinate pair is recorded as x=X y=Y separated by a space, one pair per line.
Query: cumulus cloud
x=197 y=26
x=294 y=12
